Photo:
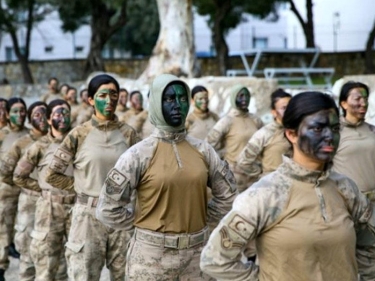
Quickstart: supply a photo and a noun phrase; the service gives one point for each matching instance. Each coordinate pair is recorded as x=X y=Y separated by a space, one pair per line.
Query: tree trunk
x=94 y=61
x=174 y=51
x=370 y=67
x=308 y=26
x=218 y=36
x=26 y=72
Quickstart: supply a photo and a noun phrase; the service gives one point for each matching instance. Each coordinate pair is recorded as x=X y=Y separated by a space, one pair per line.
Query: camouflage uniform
x=93 y=149
x=355 y=158
x=47 y=98
x=120 y=110
x=304 y=223
x=26 y=204
x=135 y=118
x=164 y=168
x=52 y=210
x=84 y=113
x=198 y=123
x=8 y=197
x=261 y=155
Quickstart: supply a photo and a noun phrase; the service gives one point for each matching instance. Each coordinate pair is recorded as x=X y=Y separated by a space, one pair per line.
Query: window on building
x=79 y=49
x=48 y=49
x=260 y=42
x=9 y=54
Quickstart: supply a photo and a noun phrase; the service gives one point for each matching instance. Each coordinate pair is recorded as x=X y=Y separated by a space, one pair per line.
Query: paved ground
x=12 y=273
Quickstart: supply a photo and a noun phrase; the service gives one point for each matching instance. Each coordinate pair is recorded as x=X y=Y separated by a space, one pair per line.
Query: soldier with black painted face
x=170 y=172
x=26 y=201
x=93 y=148
x=52 y=209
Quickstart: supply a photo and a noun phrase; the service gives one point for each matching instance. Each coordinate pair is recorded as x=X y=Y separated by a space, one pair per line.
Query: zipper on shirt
x=178 y=158
x=322 y=202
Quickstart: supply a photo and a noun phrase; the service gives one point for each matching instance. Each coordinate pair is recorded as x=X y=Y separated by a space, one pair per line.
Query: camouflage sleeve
x=189 y=121
x=9 y=162
x=253 y=211
x=223 y=187
x=25 y=166
x=217 y=134
x=116 y=205
x=259 y=123
x=62 y=157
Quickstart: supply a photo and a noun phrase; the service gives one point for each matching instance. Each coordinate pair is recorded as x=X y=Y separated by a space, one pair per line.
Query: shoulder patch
x=241 y=226
x=63 y=155
x=114 y=181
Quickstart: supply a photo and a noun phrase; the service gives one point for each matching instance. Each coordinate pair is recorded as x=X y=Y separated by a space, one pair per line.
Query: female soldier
x=52 y=208
x=355 y=156
x=262 y=154
x=16 y=114
x=234 y=130
x=93 y=148
x=27 y=199
x=303 y=216
x=201 y=120
x=170 y=173
x=3 y=113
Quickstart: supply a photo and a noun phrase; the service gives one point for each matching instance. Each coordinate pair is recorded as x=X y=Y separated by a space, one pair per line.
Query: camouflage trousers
x=365 y=254
x=51 y=228
x=24 y=225
x=91 y=245
x=146 y=260
x=8 y=209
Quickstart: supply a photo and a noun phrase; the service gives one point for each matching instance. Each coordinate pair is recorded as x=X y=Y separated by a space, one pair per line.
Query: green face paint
x=201 y=101
x=105 y=103
x=17 y=114
x=175 y=105
x=243 y=99
x=61 y=119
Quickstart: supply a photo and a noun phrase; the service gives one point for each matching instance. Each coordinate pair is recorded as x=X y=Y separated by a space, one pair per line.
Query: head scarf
x=233 y=94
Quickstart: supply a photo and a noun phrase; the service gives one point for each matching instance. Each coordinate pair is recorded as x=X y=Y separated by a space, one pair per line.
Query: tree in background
x=227 y=14
x=17 y=16
x=369 y=52
x=105 y=19
x=174 y=50
x=308 y=25
x=141 y=31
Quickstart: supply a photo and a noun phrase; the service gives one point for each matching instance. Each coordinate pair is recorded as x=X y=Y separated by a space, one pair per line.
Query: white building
x=339 y=26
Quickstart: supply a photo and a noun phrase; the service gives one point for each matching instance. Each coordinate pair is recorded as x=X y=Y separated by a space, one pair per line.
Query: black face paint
x=243 y=99
x=175 y=105
x=319 y=135
x=61 y=119
x=39 y=119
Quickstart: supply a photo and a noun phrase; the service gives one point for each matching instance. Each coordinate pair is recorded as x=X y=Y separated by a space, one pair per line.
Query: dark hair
x=346 y=88
x=53 y=104
x=6 y=103
x=82 y=91
x=63 y=85
x=278 y=94
x=133 y=93
x=197 y=89
x=53 y=78
x=123 y=90
x=99 y=80
x=71 y=88
x=13 y=101
x=32 y=106
x=305 y=104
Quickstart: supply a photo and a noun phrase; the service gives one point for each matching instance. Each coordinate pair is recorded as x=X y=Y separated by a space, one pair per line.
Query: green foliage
x=141 y=31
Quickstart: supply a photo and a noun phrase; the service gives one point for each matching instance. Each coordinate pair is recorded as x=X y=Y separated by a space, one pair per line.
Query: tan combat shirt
x=170 y=173
x=198 y=123
x=47 y=98
x=85 y=112
x=262 y=154
x=135 y=118
x=93 y=148
x=37 y=158
x=15 y=153
x=355 y=156
x=232 y=132
x=304 y=223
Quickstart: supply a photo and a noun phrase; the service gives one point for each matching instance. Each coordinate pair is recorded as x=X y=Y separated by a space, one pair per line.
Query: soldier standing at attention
x=121 y=107
x=85 y=110
x=303 y=217
x=170 y=173
x=26 y=201
x=263 y=152
x=201 y=120
x=93 y=148
x=232 y=132
x=3 y=113
x=52 y=209
x=355 y=158
x=53 y=91
x=9 y=193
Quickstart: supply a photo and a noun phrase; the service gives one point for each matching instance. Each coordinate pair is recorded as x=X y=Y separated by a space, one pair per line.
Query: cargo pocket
x=74 y=247
x=38 y=247
x=22 y=239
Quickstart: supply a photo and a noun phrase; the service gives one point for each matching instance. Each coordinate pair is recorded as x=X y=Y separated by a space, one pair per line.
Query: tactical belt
x=62 y=199
x=31 y=192
x=370 y=195
x=84 y=199
x=172 y=241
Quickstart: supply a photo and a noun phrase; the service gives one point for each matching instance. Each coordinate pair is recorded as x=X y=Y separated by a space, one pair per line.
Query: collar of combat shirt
x=105 y=125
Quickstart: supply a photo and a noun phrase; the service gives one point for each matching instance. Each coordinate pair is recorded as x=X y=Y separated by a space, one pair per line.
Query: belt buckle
x=183 y=242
